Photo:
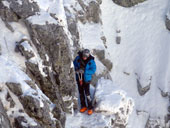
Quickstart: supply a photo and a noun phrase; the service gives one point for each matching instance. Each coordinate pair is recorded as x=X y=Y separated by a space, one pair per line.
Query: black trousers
x=84 y=92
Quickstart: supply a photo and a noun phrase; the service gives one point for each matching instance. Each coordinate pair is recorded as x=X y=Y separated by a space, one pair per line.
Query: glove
x=81 y=82
x=81 y=71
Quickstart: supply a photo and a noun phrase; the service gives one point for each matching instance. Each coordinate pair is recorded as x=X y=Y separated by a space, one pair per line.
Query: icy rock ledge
x=114 y=102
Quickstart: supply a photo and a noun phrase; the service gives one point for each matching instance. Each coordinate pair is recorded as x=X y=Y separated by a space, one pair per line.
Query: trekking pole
x=80 y=75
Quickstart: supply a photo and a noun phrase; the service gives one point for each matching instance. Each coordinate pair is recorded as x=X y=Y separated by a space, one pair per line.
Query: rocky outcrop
x=72 y=27
x=118 y=109
x=128 y=3
x=4 y=121
x=24 y=8
x=48 y=63
x=101 y=56
x=167 y=23
x=15 y=88
x=53 y=48
x=24 y=46
x=90 y=12
x=37 y=109
x=142 y=90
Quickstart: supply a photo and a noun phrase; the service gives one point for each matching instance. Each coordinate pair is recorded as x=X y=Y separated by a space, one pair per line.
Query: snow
x=8 y=44
x=144 y=50
x=90 y=34
x=47 y=57
x=109 y=97
x=12 y=70
x=42 y=18
x=102 y=68
x=109 y=100
x=142 y=53
x=19 y=2
x=27 y=46
x=6 y=3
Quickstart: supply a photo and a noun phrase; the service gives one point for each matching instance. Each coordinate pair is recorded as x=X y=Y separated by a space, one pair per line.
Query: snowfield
x=142 y=55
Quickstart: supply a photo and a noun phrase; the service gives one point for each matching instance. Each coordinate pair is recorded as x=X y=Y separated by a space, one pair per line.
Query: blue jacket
x=89 y=68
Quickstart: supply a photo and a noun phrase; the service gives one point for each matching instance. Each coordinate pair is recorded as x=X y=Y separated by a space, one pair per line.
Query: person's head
x=86 y=54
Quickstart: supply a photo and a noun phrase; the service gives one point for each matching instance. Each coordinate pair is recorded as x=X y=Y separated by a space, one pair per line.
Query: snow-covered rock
x=114 y=102
x=39 y=38
x=128 y=3
x=4 y=121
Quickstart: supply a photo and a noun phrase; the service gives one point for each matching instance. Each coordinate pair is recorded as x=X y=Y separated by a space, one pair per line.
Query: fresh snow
x=27 y=46
x=143 y=54
x=90 y=34
x=13 y=70
x=144 y=49
x=110 y=99
x=6 y=3
x=41 y=18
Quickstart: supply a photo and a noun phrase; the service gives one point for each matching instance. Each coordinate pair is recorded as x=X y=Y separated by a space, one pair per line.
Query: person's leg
x=87 y=91
x=82 y=96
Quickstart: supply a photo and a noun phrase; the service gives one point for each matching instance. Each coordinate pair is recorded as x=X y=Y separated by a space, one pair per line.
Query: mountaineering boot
x=90 y=111
x=83 y=109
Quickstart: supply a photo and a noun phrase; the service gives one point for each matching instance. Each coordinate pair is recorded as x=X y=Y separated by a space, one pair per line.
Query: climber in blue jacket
x=85 y=67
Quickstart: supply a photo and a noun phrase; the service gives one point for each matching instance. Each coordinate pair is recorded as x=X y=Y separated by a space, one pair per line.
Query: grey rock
x=128 y=3
x=21 y=119
x=101 y=55
x=72 y=27
x=90 y=13
x=142 y=90
x=31 y=84
x=108 y=64
x=23 y=49
x=167 y=118
x=33 y=109
x=15 y=88
x=118 y=39
x=25 y=9
x=164 y=94
x=53 y=41
x=60 y=115
x=6 y=14
x=93 y=12
x=103 y=38
x=167 y=23
x=4 y=121
x=9 y=99
x=169 y=109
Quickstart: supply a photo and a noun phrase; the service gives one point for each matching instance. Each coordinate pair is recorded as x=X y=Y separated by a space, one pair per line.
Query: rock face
x=127 y=3
x=4 y=121
x=90 y=12
x=23 y=9
x=48 y=63
x=167 y=23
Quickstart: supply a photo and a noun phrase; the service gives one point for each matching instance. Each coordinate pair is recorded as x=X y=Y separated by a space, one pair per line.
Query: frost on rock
x=127 y=3
x=168 y=20
x=113 y=101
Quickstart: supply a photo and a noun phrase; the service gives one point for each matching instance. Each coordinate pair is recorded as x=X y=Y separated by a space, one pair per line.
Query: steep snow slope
x=142 y=53
x=144 y=50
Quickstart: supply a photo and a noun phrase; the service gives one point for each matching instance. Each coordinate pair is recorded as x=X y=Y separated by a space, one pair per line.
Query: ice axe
x=80 y=75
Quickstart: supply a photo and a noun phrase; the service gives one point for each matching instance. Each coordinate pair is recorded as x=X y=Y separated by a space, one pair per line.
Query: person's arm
x=76 y=63
x=92 y=68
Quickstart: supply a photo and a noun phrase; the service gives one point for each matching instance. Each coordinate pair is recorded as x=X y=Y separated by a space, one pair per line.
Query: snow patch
x=41 y=18
x=90 y=35
x=19 y=2
x=27 y=46
x=6 y=4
